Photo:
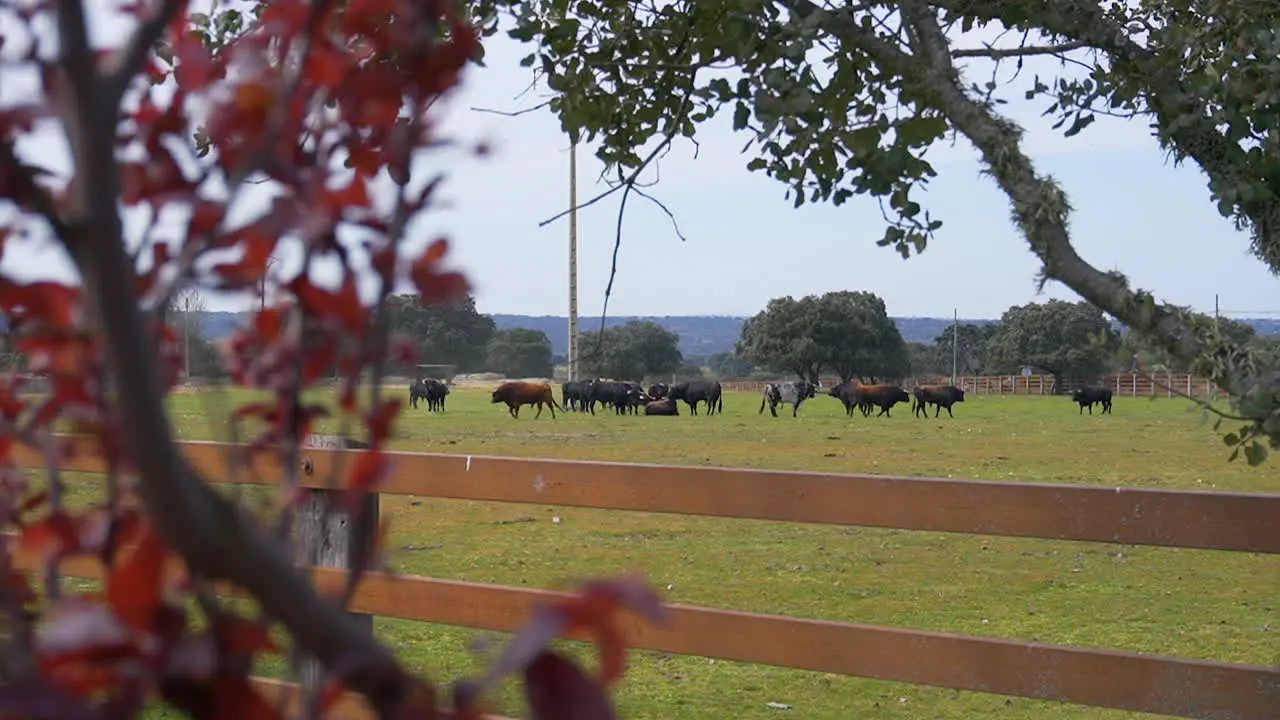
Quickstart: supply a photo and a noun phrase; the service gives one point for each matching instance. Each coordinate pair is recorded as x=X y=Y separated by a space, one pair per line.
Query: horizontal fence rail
x=1100 y=677
x=1204 y=519
x=1108 y=678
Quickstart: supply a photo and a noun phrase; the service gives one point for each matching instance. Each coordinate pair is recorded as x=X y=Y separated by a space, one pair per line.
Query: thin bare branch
x=24 y=190
x=512 y=113
x=675 y=225
x=1026 y=50
x=135 y=52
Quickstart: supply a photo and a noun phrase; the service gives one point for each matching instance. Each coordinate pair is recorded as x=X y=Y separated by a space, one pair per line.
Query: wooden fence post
x=326 y=536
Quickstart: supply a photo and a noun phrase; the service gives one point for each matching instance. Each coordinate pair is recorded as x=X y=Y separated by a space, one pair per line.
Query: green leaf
x=865 y=140
x=1231 y=439
x=741 y=116
x=1081 y=122
x=921 y=130
x=1255 y=453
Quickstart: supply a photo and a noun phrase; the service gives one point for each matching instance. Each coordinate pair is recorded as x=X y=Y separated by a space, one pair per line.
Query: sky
x=745 y=243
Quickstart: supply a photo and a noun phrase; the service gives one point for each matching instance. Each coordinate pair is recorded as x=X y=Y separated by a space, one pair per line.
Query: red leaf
x=234 y=697
x=56 y=535
x=379 y=419
x=367 y=473
x=355 y=194
x=22 y=118
x=81 y=645
x=595 y=608
x=19 y=586
x=435 y=286
x=558 y=689
x=33 y=502
x=333 y=691
x=205 y=217
x=403 y=351
x=134 y=582
x=51 y=302
x=237 y=634
x=159 y=257
x=592 y=609
x=327 y=66
x=343 y=306
x=195 y=66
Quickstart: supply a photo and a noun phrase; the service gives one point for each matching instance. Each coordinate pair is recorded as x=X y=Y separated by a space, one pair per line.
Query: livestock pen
x=1170 y=685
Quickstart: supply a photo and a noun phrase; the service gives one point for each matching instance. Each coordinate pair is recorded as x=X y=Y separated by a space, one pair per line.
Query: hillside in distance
x=700 y=335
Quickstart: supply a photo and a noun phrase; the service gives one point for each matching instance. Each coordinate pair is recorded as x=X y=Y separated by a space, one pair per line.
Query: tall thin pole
x=573 y=261
x=1215 y=309
x=186 y=338
x=955 y=333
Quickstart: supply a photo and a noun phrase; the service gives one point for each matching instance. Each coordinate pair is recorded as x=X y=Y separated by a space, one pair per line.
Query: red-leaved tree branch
x=323 y=105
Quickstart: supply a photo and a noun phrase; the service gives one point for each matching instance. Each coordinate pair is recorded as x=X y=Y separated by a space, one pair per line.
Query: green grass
x=1204 y=604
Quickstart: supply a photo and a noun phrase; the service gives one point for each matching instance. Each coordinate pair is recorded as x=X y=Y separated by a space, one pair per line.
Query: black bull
x=1087 y=397
x=942 y=396
x=697 y=391
x=431 y=390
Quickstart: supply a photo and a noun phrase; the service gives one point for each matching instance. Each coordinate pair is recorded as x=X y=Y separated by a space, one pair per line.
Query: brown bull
x=518 y=393
x=665 y=406
x=881 y=396
x=943 y=396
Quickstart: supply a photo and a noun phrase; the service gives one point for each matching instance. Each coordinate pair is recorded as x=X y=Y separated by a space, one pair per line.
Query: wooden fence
x=1132 y=384
x=1170 y=685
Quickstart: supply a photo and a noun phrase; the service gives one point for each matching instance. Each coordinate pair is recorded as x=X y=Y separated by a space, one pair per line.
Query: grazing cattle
x=658 y=391
x=943 y=396
x=573 y=395
x=881 y=396
x=431 y=390
x=1090 y=395
x=621 y=396
x=845 y=393
x=697 y=391
x=517 y=393
x=864 y=397
x=665 y=406
x=630 y=398
x=795 y=393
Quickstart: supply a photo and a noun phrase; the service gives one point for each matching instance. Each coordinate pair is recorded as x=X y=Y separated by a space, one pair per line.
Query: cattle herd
x=624 y=397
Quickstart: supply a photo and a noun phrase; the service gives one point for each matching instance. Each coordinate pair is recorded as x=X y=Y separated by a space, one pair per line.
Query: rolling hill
x=700 y=335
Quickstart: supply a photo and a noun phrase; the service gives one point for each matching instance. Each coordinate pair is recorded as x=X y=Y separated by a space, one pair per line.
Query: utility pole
x=186 y=338
x=1215 y=310
x=573 y=260
x=955 y=342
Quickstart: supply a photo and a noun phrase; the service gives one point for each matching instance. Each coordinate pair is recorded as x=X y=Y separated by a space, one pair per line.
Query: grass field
x=1197 y=603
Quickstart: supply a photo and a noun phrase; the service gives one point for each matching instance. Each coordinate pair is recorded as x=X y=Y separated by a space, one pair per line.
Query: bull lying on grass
x=665 y=406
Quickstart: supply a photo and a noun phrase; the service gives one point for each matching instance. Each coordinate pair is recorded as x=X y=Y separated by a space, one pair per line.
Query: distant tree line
x=848 y=334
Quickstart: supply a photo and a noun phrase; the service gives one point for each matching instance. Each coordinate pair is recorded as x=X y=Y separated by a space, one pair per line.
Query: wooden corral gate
x=1177 y=686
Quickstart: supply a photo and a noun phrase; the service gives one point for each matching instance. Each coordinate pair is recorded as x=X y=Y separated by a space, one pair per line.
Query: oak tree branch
x=1025 y=51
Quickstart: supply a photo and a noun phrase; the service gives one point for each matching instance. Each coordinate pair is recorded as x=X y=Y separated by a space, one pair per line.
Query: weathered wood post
x=326 y=536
